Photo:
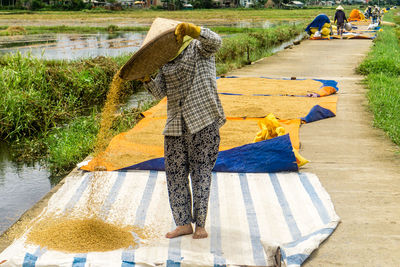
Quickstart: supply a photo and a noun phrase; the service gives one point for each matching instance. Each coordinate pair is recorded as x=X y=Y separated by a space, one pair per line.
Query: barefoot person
x=191 y=133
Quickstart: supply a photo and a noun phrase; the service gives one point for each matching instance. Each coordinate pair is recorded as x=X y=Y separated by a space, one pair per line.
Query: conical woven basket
x=159 y=47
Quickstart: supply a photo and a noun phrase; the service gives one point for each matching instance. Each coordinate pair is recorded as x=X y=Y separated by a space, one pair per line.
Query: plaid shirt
x=190 y=86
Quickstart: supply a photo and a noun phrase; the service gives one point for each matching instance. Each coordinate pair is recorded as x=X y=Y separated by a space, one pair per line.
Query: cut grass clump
x=382 y=68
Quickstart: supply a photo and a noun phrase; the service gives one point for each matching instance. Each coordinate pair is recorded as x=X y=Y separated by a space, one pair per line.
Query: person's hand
x=185 y=28
x=144 y=79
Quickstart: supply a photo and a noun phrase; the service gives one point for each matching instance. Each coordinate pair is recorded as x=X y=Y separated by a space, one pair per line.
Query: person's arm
x=210 y=42
x=336 y=15
x=156 y=86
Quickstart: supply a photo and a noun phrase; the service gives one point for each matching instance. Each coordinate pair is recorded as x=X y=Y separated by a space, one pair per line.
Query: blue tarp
x=273 y=155
x=319 y=21
x=318 y=113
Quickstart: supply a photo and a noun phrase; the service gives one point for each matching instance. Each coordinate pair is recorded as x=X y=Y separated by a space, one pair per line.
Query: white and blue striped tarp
x=250 y=215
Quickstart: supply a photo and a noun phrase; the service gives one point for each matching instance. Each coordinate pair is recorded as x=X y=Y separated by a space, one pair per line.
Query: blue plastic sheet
x=318 y=113
x=319 y=21
x=273 y=155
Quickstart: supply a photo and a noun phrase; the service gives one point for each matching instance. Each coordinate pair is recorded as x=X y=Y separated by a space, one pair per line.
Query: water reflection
x=74 y=46
x=21 y=186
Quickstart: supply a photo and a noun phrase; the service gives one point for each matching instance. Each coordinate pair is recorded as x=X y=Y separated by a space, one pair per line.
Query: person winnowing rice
x=191 y=134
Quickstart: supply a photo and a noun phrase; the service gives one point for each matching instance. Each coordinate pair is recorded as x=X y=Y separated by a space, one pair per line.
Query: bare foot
x=200 y=233
x=180 y=230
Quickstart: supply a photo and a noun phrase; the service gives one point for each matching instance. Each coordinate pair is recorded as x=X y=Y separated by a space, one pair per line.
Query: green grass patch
x=384 y=56
x=244 y=48
x=69 y=145
x=384 y=99
x=382 y=70
x=4 y=31
x=38 y=95
x=226 y=15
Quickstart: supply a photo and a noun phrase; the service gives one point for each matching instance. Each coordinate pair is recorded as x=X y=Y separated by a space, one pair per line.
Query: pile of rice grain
x=83 y=235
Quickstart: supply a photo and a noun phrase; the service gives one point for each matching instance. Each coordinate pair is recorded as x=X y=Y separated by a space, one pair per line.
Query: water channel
x=22 y=185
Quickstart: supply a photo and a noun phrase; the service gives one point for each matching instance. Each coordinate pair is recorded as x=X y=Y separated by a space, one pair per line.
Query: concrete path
x=356 y=163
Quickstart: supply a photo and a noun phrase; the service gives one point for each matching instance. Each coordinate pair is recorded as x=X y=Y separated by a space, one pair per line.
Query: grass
x=38 y=95
x=245 y=48
x=382 y=70
x=69 y=145
x=187 y=15
x=5 y=31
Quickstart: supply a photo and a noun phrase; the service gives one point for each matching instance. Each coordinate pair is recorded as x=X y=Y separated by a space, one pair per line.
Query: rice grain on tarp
x=83 y=235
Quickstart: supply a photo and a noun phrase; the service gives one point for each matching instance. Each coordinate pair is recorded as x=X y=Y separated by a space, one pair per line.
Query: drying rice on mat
x=256 y=85
x=84 y=230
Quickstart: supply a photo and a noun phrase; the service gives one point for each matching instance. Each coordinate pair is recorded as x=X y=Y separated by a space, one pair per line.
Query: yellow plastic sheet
x=145 y=141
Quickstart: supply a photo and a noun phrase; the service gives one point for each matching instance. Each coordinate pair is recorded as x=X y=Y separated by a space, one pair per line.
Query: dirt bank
x=355 y=162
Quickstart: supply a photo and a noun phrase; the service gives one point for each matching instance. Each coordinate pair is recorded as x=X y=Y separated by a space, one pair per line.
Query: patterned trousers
x=193 y=154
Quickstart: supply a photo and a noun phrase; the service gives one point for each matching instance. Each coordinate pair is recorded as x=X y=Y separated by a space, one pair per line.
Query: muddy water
x=21 y=186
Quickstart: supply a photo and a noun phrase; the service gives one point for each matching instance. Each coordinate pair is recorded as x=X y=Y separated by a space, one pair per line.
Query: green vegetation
x=245 y=48
x=147 y=15
x=5 y=30
x=71 y=144
x=43 y=99
x=38 y=95
x=382 y=70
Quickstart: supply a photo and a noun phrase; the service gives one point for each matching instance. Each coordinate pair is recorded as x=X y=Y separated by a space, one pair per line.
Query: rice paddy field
x=132 y=17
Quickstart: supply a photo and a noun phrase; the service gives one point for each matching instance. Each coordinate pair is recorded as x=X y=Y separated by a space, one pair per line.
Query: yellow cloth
x=186 y=41
x=300 y=159
x=185 y=28
x=270 y=128
x=326 y=25
x=325 y=31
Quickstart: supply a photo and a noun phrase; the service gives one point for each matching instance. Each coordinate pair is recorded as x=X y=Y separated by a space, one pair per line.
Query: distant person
x=318 y=22
x=368 y=12
x=340 y=18
x=375 y=15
